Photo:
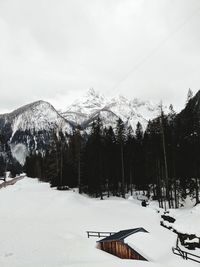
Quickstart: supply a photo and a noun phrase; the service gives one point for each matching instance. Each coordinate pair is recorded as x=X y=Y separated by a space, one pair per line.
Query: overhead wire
x=155 y=50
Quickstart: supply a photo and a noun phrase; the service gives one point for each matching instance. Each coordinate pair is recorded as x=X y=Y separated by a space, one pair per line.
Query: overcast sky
x=56 y=49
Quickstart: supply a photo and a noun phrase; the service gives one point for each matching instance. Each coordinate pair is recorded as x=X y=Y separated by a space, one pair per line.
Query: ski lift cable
x=157 y=48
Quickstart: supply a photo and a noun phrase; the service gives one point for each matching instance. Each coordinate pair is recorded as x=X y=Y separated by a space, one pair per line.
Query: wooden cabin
x=116 y=245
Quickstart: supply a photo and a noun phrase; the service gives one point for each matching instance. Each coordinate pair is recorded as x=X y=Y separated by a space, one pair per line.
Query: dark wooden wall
x=120 y=249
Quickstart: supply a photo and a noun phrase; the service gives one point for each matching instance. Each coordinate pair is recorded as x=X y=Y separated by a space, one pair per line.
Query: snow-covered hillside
x=43 y=227
x=82 y=109
x=42 y=116
x=30 y=128
x=35 y=117
x=93 y=104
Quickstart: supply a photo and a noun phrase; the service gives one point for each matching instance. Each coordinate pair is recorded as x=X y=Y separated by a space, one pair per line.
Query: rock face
x=86 y=109
x=32 y=125
x=36 y=116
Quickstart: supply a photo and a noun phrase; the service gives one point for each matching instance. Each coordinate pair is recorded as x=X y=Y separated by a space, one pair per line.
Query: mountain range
x=34 y=124
x=42 y=116
x=31 y=128
x=93 y=104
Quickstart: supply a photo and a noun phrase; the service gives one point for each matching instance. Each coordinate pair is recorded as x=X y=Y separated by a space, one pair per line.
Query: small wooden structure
x=115 y=245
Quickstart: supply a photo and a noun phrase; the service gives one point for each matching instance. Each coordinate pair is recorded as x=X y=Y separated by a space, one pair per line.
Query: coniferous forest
x=163 y=160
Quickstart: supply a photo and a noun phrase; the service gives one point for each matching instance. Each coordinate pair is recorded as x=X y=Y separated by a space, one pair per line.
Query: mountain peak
x=31 y=106
x=94 y=94
x=37 y=116
x=93 y=103
x=88 y=104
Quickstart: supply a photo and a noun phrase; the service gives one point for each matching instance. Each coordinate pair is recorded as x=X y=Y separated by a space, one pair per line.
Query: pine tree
x=130 y=155
x=166 y=175
x=189 y=96
x=94 y=159
x=121 y=137
x=172 y=113
x=139 y=132
x=110 y=160
x=76 y=143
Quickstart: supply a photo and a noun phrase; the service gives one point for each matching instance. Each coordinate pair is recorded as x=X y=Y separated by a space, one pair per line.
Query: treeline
x=102 y=161
x=164 y=160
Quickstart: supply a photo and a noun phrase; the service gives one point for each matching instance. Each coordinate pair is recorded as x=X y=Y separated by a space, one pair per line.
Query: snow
x=194 y=240
x=19 y=152
x=37 y=116
x=184 y=218
x=147 y=245
x=110 y=109
x=187 y=218
x=43 y=227
x=89 y=103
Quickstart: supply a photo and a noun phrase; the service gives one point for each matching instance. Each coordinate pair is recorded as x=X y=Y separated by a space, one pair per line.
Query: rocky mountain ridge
x=41 y=116
x=30 y=128
x=93 y=105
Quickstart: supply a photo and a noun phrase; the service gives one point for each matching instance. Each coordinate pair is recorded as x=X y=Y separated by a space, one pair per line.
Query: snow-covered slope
x=187 y=219
x=92 y=105
x=30 y=128
x=82 y=109
x=91 y=102
x=43 y=227
x=107 y=117
x=36 y=116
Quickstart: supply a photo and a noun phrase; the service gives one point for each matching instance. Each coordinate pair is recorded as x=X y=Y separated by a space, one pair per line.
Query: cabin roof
x=121 y=235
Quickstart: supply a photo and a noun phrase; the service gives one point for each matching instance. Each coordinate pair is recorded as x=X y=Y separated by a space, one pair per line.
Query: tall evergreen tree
x=130 y=155
x=189 y=96
x=121 y=138
x=76 y=145
x=110 y=160
x=94 y=163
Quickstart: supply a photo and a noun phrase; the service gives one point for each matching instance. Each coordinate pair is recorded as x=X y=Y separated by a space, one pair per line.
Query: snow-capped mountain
x=32 y=126
x=37 y=116
x=84 y=110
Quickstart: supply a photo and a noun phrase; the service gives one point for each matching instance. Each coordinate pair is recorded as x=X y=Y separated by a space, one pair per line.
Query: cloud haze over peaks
x=56 y=49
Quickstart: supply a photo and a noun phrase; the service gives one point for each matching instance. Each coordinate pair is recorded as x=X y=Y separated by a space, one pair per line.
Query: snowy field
x=42 y=227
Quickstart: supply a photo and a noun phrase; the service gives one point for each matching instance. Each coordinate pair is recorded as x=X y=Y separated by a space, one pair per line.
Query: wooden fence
x=186 y=255
x=98 y=234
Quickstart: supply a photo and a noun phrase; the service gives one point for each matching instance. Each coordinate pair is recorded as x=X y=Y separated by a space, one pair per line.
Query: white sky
x=56 y=49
